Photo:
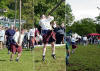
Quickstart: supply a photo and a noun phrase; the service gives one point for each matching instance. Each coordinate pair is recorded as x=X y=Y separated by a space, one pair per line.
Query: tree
x=68 y=14
x=45 y=6
x=98 y=28
x=84 y=26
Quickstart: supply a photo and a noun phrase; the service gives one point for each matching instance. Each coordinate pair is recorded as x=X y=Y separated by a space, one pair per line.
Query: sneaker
x=17 y=60
x=54 y=56
x=43 y=59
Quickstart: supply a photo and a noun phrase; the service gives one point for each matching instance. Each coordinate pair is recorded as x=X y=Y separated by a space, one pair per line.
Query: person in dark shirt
x=9 y=37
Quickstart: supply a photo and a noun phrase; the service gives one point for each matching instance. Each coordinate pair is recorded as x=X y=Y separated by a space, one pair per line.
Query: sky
x=84 y=8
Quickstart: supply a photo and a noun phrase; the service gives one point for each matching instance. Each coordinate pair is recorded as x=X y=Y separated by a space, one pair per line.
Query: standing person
x=85 y=40
x=25 y=40
x=17 y=45
x=48 y=34
x=31 y=35
x=2 y=34
x=9 y=37
x=73 y=41
x=63 y=28
x=38 y=38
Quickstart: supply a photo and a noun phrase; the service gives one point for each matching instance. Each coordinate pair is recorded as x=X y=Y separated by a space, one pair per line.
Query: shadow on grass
x=37 y=61
x=2 y=60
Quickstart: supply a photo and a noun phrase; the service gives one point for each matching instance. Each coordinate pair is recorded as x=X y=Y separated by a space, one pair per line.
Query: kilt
x=10 y=41
x=74 y=46
x=15 y=48
x=48 y=36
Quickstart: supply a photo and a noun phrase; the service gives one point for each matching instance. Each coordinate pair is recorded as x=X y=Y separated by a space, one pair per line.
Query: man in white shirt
x=17 y=46
x=16 y=36
x=85 y=40
x=2 y=34
x=47 y=33
x=31 y=35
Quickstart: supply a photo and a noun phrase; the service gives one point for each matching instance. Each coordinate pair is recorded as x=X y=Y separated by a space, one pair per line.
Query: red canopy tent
x=93 y=34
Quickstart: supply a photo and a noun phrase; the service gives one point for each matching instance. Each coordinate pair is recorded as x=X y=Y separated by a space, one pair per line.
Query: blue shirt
x=10 y=33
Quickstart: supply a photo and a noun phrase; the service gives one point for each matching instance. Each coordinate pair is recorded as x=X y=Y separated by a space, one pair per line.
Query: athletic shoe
x=54 y=56
x=17 y=60
x=43 y=59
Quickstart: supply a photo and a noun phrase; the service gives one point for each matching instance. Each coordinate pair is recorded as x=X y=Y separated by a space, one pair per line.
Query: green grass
x=33 y=61
x=50 y=64
x=25 y=63
x=86 y=58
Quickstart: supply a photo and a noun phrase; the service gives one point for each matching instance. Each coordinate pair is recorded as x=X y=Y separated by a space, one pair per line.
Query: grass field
x=86 y=58
x=33 y=61
x=50 y=64
x=25 y=63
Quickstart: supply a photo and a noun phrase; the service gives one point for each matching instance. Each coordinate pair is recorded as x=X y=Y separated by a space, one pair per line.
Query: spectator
x=85 y=40
x=2 y=35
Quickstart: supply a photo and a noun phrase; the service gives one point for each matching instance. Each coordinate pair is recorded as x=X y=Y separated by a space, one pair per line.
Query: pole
x=15 y=12
x=33 y=11
x=20 y=16
x=55 y=7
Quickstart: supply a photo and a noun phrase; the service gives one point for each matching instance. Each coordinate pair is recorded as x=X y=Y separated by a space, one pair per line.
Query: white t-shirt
x=45 y=23
x=73 y=39
x=85 y=38
x=32 y=32
x=16 y=36
x=2 y=34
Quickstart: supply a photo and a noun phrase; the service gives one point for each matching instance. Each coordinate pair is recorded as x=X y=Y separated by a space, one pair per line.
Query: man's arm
x=50 y=18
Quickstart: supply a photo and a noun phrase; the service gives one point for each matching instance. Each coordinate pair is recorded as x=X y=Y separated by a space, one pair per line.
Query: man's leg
x=53 y=50
x=19 y=50
x=44 y=51
x=73 y=50
x=67 y=56
x=11 y=57
x=8 y=47
x=13 y=50
x=18 y=56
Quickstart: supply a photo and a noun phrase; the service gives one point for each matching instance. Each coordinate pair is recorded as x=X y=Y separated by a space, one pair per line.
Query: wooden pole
x=55 y=7
x=20 y=16
x=15 y=12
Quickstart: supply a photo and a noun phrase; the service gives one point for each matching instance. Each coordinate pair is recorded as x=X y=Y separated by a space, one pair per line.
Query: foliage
x=68 y=14
x=98 y=28
x=84 y=26
x=32 y=9
x=45 y=6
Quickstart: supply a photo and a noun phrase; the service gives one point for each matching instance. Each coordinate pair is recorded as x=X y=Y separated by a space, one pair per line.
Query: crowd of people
x=50 y=33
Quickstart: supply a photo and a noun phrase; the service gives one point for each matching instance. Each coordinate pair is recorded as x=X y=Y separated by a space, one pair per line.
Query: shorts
x=74 y=46
x=15 y=49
